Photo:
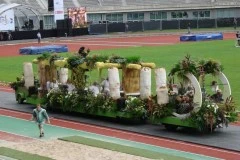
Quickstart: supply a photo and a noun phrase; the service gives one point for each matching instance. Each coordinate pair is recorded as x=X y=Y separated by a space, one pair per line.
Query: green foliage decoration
x=158 y=111
x=210 y=67
x=183 y=67
x=56 y=99
x=91 y=60
x=80 y=100
x=212 y=115
x=18 y=83
x=44 y=56
x=133 y=60
x=55 y=57
x=117 y=59
x=103 y=103
x=74 y=61
x=136 y=107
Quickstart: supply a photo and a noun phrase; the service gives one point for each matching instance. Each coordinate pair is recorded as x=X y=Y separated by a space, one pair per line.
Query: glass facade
x=179 y=15
x=155 y=16
x=131 y=17
x=94 y=18
x=201 y=14
x=225 y=13
x=114 y=17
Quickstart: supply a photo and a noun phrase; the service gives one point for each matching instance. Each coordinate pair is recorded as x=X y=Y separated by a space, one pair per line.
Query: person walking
x=235 y=23
x=39 y=116
x=189 y=28
x=39 y=37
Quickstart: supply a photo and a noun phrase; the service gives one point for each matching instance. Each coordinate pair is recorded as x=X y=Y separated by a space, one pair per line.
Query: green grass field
x=164 y=56
x=12 y=153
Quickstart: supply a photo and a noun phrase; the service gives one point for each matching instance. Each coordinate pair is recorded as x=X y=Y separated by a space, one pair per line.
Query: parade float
x=181 y=99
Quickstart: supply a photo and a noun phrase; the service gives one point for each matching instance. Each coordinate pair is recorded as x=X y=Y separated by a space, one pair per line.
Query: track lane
x=178 y=145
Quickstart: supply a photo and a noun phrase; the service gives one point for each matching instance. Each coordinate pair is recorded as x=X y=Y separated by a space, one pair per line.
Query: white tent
x=21 y=13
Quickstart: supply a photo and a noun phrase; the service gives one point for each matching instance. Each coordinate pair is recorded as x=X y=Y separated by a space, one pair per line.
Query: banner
x=7 y=22
x=78 y=16
x=58 y=10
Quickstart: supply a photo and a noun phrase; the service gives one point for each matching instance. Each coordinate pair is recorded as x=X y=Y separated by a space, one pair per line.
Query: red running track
x=13 y=138
x=11 y=49
x=178 y=145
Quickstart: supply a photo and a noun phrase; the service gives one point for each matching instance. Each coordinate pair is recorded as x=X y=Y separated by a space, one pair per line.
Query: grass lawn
x=20 y=155
x=121 y=148
x=164 y=56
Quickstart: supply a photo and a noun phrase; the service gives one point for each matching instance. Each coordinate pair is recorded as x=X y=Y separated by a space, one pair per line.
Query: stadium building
x=120 y=15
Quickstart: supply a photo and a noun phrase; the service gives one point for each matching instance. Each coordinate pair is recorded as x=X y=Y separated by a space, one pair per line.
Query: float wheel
x=20 y=99
x=171 y=127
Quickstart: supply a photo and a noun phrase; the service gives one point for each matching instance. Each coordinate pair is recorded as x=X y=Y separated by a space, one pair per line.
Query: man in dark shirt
x=238 y=38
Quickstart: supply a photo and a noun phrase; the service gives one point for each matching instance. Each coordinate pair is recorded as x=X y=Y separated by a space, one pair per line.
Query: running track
x=11 y=48
x=178 y=145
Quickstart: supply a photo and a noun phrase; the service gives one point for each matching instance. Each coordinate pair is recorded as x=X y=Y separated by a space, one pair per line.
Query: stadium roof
x=20 y=10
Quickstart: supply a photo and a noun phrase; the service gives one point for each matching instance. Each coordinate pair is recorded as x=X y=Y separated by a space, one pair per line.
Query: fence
x=161 y=25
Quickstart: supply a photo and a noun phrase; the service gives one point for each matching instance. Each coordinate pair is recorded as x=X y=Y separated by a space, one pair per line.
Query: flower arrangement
x=183 y=67
x=136 y=106
x=212 y=115
x=83 y=100
x=104 y=103
x=158 y=111
x=55 y=98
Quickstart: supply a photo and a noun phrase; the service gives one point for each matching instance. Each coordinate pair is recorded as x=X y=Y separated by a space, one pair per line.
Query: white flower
x=213 y=105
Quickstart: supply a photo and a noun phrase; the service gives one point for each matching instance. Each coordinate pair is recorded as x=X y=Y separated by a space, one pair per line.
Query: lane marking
x=135 y=134
x=100 y=44
x=111 y=42
x=19 y=43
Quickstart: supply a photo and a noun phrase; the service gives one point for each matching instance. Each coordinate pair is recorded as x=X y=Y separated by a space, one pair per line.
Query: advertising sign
x=7 y=21
x=58 y=10
x=78 y=16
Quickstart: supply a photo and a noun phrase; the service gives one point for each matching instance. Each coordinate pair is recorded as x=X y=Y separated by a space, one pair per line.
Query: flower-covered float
x=65 y=84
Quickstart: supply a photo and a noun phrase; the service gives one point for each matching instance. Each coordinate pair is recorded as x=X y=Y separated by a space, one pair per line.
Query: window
x=179 y=14
x=94 y=18
x=207 y=13
x=195 y=14
x=201 y=14
x=135 y=16
x=164 y=15
x=154 y=16
x=174 y=15
x=48 y=22
x=114 y=18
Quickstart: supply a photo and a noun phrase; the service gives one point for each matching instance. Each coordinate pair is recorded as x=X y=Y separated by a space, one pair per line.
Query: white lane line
x=20 y=43
x=12 y=44
x=112 y=42
x=134 y=134
x=8 y=89
x=100 y=44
